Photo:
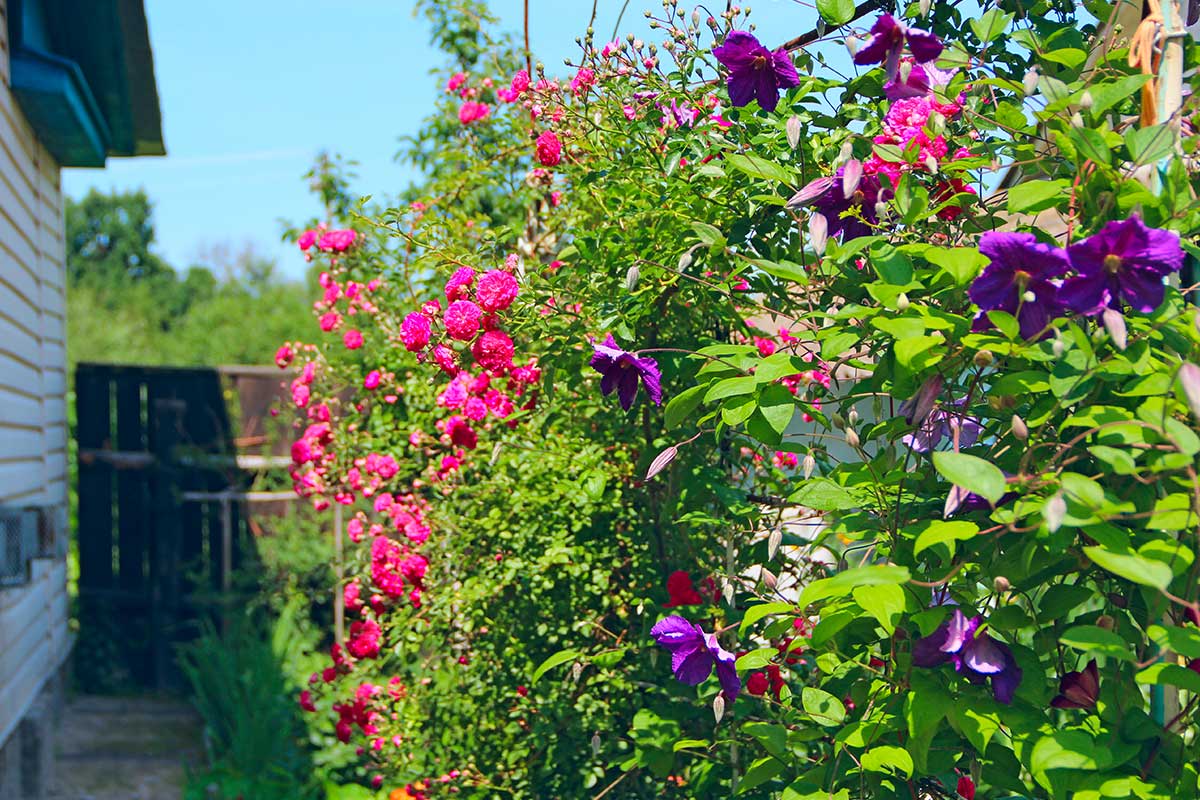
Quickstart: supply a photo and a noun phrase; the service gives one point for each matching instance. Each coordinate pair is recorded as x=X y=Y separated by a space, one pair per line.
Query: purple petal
x=694 y=668
x=886 y=35
x=738 y=50
x=928 y=651
x=1005 y=682
x=811 y=192
x=627 y=386
x=730 y=682
x=1023 y=251
x=982 y=655
x=924 y=45
x=609 y=381
x=765 y=89
x=785 y=70
x=741 y=88
x=1142 y=289
x=652 y=377
x=675 y=631
x=1086 y=293
x=960 y=629
x=994 y=288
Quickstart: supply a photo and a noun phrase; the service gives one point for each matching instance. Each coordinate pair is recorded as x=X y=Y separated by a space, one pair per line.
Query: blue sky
x=251 y=91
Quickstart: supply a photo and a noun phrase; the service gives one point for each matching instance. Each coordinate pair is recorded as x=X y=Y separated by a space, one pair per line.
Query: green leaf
x=991 y=25
x=1070 y=749
x=1106 y=95
x=1171 y=675
x=561 y=657
x=939 y=532
x=822 y=494
x=1091 y=144
x=1148 y=145
x=1093 y=639
x=1033 y=196
x=755 y=613
x=961 y=263
x=1185 y=641
x=773 y=737
x=1131 y=566
x=757 y=167
x=756 y=659
x=822 y=706
x=907 y=350
x=844 y=582
x=884 y=602
x=836 y=12
x=761 y=771
x=784 y=270
x=708 y=234
x=971 y=473
x=737 y=410
x=681 y=406
x=688 y=744
x=777 y=406
x=731 y=387
x=894 y=760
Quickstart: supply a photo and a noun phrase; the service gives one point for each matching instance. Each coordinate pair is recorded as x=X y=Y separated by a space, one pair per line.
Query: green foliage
x=1065 y=520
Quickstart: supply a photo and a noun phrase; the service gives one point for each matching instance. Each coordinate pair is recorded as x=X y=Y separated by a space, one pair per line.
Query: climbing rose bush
x=708 y=423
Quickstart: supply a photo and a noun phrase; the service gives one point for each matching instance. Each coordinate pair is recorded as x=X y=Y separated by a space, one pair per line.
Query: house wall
x=34 y=639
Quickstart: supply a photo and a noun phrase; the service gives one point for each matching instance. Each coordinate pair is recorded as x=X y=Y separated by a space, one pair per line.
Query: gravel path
x=125 y=748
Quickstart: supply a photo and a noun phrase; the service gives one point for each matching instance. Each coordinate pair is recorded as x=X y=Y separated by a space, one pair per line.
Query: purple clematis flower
x=974 y=654
x=694 y=653
x=1079 y=689
x=1020 y=280
x=828 y=197
x=941 y=424
x=1124 y=261
x=921 y=81
x=622 y=370
x=754 y=71
x=888 y=36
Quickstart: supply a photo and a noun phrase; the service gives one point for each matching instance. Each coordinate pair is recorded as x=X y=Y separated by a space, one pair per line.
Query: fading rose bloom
x=456 y=81
x=307 y=240
x=284 y=356
x=472 y=111
x=337 y=241
x=372 y=380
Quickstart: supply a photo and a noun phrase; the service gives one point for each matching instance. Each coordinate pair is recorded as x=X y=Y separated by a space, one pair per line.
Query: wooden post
x=339 y=599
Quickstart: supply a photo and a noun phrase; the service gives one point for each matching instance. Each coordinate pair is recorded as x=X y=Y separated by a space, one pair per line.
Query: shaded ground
x=125 y=748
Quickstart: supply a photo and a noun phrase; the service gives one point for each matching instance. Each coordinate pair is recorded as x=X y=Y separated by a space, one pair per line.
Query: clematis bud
x=1058 y=347
x=808 y=466
x=727 y=591
x=902 y=302
x=1001 y=584
x=984 y=358
x=769 y=579
x=595 y=744
x=792 y=128
x=852 y=417
x=773 y=541
x=1106 y=622
x=576 y=670
x=662 y=461
x=718 y=706
x=631 y=278
x=1086 y=101
x=925 y=6
x=1114 y=323
x=1076 y=120
x=853 y=43
x=1030 y=81
x=881 y=209
x=838 y=420
x=1189 y=378
x=1055 y=511
x=931 y=164
x=1020 y=430
x=845 y=153
x=852 y=438
x=818 y=231
x=1029 y=296
x=851 y=177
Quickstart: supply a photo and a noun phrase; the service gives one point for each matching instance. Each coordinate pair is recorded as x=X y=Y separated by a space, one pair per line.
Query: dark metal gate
x=160 y=513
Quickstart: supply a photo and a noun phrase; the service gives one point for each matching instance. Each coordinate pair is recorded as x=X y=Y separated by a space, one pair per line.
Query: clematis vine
x=1021 y=279
x=622 y=371
x=1124 y=261
x=886 y=44
x=754 y=71
x=695 y=653
x=977 y=655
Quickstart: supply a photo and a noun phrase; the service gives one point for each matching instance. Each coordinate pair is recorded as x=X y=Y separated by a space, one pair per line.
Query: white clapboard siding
x=33 y=429
x=34 y=619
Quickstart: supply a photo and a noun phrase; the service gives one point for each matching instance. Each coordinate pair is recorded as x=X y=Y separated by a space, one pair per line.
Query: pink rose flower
x=549 y=149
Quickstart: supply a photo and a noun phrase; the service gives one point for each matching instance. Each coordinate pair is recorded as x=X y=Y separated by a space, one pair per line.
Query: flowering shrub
x=908 y=504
